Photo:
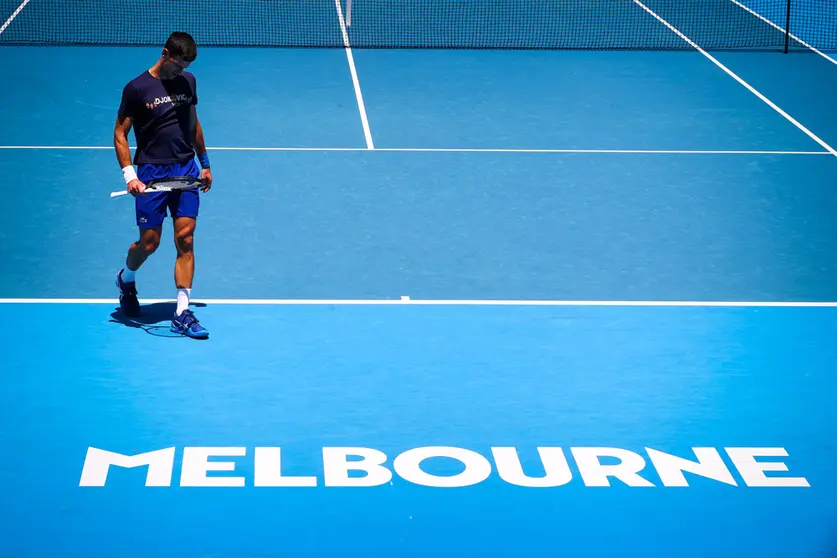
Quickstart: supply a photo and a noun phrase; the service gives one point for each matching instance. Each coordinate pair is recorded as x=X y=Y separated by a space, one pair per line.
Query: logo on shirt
x=174 y=100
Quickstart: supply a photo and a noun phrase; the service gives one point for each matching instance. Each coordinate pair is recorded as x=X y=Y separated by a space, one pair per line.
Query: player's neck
x=155 y=69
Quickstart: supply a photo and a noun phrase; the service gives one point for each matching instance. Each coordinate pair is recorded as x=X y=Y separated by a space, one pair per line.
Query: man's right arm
x=120 y=141
x=124 y=121
x=123 y=155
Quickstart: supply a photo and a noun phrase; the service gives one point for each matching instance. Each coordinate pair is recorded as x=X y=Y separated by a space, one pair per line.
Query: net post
x=349 y=13
x=787 y=26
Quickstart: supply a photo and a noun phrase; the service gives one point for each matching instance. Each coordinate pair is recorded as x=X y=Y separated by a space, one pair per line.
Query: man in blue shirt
x=160 y=106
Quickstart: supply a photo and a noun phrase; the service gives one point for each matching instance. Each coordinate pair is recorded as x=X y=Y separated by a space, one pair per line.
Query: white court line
x=794 y=37
x=13 y=16
x=406 y=301
x=360 y=105
x=732 y=74
x=459 y=150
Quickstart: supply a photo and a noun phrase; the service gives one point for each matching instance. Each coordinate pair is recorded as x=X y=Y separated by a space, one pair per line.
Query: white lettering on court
x=595 y=474
x=336 y=467
x=709 y=464
x=196 y=465
x=554 y=462
x=98 y=462
x=753 y=472
x=408 y=467
x=367 y=467
x=268 y=470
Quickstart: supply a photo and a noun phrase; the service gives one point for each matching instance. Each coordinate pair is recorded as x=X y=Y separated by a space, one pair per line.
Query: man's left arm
x=200 y=149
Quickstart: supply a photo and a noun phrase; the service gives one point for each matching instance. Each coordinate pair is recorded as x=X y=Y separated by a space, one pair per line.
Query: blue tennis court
x=538 y=299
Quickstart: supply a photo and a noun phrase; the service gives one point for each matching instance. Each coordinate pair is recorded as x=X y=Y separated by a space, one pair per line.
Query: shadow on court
x=154 y=318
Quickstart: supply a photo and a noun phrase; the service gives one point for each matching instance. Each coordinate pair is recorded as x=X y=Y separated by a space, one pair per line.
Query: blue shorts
x=152 y=208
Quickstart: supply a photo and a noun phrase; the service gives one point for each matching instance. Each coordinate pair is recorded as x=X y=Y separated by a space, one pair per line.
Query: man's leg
x=184 y=210
x=151 y=211
x=184 y=265
x=139 y=251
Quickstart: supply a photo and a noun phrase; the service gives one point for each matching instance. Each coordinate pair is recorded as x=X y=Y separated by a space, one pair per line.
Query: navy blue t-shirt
x=161 y=113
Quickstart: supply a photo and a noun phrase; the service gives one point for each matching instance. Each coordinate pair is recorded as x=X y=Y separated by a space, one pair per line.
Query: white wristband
x=129 y=174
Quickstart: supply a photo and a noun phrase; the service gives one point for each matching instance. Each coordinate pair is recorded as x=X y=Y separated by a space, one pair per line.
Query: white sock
x=128 y=276
x=183 y=300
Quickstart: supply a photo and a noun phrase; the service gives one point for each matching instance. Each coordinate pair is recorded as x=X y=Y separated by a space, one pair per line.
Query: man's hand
x=136 y=188
x=206 y=176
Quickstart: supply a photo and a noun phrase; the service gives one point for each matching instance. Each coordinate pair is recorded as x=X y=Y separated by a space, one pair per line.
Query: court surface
x=541 y=304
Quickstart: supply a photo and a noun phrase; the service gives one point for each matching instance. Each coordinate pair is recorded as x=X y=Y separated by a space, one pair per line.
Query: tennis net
x=489 y=24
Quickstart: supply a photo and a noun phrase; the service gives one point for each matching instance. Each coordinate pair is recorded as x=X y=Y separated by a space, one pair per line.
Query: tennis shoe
x=127 y=297
x=187 y=324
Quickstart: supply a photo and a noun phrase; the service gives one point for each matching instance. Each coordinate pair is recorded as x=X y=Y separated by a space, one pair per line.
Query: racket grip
x=119 y=193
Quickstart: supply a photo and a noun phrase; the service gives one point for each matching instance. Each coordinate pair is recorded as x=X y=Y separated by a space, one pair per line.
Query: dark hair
x=183 y=45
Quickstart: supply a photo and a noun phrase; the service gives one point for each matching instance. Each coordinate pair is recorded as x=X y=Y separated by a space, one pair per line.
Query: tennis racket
x=169 y=184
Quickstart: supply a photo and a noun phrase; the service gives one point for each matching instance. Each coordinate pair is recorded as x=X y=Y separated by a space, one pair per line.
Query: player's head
x=179 y=51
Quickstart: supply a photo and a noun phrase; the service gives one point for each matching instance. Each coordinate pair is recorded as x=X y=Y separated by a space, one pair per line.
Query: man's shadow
x=154 y=318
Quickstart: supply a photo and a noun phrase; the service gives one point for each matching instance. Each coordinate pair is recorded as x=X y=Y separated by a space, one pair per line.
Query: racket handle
x=119 y=193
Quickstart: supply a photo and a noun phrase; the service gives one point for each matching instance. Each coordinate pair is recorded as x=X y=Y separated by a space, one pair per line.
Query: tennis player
x=160 y=105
